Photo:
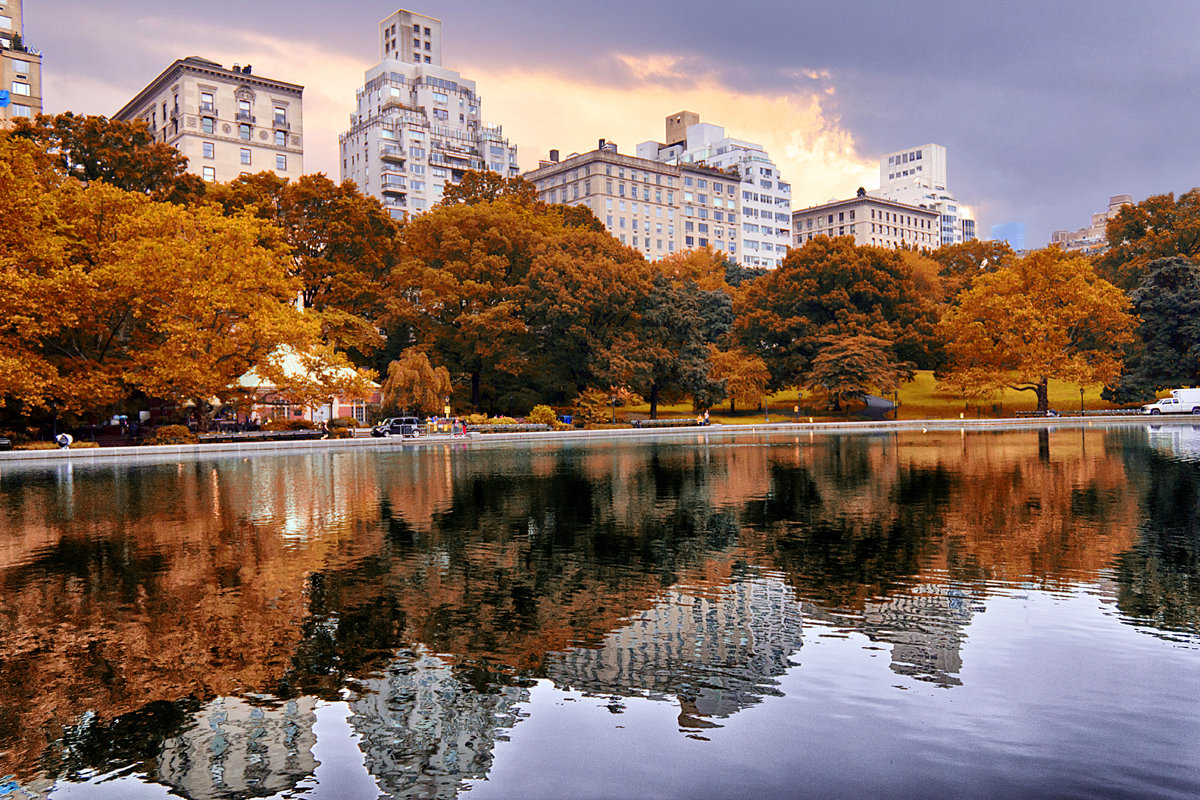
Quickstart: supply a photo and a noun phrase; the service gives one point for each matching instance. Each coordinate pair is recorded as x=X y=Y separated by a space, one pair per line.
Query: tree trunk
x=654 y=401
x=732 y=406
x=1043 y=396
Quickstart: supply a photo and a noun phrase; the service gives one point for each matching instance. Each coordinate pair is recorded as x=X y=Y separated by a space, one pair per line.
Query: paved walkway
x=160 y=453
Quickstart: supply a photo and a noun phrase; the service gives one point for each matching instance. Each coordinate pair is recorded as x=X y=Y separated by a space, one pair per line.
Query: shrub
x=477 y=419
x=343 y=422
x=287 y=425
x=52 y=445
x=542 y=415
x=341 y=433
x=172 y=434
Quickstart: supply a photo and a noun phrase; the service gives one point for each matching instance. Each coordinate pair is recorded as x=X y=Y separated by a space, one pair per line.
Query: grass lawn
x=919 y=399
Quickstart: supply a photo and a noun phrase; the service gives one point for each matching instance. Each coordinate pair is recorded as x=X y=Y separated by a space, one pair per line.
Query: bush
x=52 y=445
x=542 y=415
x=343 y=422
x=341 y=433
x=288 y=425
x=172 y=434
x=477 y=419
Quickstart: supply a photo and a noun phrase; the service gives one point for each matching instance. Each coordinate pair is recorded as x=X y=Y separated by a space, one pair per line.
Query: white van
x=1181 y=401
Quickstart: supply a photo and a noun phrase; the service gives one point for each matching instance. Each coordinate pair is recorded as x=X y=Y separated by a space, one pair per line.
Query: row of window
x=208 y=106
x=210 y=151
x=702 y=183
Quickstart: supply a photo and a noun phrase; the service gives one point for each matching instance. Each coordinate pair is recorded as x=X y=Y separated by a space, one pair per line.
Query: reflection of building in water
x=925 y=626
x=718 y=650
x=425 y=730
x=236 y=749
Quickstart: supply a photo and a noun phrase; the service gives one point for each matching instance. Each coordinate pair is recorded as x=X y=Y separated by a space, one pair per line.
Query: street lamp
x=1081 y=401
x=613 y=398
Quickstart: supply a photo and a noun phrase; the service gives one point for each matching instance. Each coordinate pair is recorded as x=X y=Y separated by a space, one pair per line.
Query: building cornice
x=197 y=66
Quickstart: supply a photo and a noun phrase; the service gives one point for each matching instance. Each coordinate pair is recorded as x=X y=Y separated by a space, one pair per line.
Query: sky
x=1046 y=107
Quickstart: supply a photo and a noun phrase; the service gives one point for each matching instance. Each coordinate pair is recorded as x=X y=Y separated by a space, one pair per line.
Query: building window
x=280 y=139
x=22 y=111
x=244 y=132
x=20 y=88
x=280 y=115
x=210 y=151
x=22 y=68
x=245 y=155
x=206 y=102
x=280 y=161
x=244 y=110
x=210 y=174
x=207 y=124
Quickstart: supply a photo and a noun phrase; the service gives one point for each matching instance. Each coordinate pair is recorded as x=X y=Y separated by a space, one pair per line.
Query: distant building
x=918 y=177
x=656 y=207
x=228 y=122
x=762 y=231
x=1094 y=238
x=20 y=67
x=417 y=125
x=1011 y=232
x=871 y=221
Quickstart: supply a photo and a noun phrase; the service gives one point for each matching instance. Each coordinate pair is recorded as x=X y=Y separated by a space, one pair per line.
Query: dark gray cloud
x=1046 y=107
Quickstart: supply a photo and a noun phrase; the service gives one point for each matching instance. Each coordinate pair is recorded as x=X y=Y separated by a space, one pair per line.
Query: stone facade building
x=228 y=122
x=871 y=221
x=20 y=67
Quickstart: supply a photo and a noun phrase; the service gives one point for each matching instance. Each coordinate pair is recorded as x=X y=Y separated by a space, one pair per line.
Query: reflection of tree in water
x=1159 y=578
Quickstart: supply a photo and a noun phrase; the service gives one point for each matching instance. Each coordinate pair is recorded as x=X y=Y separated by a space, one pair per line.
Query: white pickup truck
x=1181 y=401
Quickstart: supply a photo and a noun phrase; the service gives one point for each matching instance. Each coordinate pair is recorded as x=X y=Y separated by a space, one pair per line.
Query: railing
x=245 y=116
x=391 y=153
x=208 y=108
x=282 y=124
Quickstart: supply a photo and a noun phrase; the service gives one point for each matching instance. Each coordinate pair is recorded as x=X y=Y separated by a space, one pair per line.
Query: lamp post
x=613 y=398
x=766 y=411
x=1081 y=401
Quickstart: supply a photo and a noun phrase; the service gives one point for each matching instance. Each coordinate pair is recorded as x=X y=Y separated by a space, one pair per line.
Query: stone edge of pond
x=160 y=453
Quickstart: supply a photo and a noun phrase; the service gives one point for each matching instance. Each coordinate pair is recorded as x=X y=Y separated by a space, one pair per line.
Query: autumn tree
x=485 y=186
x=122 y=154
x=744 y=375
x=578 y=217
x=341 y=245
x=832 y=288
x=579 y=303
x=1158 y=227
x=1046 y=316
x=1167 y=351
x=959 y=264
x=458 y=288
x=413 y=383
x=845 y=369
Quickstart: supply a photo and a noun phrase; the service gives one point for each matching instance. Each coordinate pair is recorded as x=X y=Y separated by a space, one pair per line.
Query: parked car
x=398 y=426
x=1181 y=401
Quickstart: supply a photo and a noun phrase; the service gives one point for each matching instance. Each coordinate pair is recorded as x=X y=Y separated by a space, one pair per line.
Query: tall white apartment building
x=918 y=177
x=417 y=126
x=228 y=122
x=763 y=231
x=20 y=67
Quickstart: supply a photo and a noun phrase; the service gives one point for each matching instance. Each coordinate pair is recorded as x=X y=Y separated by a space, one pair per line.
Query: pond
x=719 y=615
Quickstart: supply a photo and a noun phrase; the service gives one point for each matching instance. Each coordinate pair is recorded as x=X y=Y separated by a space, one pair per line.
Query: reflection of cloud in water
x=424 y=730
x=718 y=650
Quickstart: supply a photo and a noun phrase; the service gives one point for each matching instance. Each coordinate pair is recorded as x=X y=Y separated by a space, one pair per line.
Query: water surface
x=940 y=614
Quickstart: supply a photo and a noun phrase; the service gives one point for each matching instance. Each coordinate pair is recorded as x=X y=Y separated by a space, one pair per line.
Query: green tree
x=1046 y=316
x=122 y=154
x=414 y=384
x=832 y=288
x=1167 y=351
x=1158 y=227
x=960 y=264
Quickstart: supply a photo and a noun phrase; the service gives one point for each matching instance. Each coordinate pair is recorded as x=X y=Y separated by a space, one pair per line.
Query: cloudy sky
x=1046 y=107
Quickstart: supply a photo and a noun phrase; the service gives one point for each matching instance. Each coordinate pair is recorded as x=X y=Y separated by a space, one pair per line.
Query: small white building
x=871 y=221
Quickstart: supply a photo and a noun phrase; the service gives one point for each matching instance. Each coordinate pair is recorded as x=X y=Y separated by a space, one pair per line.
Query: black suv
x=398 y=426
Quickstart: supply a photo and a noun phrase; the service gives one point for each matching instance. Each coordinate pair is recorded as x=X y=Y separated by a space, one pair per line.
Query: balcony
x=392 y=153
x=245 y=116
x=208 y=108
x=282 y=124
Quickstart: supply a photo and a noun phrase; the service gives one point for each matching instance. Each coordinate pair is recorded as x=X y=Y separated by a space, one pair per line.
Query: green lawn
x=919 y=399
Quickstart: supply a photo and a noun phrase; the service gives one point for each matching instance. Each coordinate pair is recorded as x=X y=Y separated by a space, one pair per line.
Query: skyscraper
x=417 y=125
x=20 y=67
x=918 y=177
x=763 y=226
